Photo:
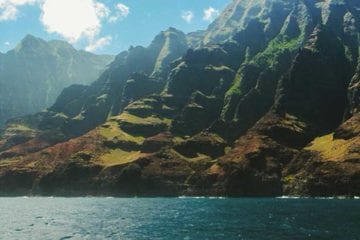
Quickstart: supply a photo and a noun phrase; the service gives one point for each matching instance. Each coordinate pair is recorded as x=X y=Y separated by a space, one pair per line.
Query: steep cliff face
x=35 y=72
x=264 y=103
x=133 y=74
x=239 y=14
x=310 y=100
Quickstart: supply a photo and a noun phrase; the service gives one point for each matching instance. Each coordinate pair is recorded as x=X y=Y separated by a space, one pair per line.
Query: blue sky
x=102 y=26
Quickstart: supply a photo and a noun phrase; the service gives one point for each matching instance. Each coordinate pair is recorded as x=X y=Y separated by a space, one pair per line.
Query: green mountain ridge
x=263 y=103
x=35 y=72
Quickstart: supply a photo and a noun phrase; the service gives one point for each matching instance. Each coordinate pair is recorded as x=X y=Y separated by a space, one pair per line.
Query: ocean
x=179 y=218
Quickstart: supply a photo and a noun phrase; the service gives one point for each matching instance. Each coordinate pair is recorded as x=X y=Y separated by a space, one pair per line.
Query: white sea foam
x=214 y=197
x=201 y=197
x=288 y=197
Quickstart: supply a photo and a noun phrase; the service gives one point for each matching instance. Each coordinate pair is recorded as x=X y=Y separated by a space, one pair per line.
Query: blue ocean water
x=179 y=218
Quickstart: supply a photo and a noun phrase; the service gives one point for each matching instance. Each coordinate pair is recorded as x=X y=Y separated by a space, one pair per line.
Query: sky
x=102 y=26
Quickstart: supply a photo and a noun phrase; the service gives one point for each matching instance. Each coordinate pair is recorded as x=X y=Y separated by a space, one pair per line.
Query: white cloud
x=8 y=13
x=188 y=16
x=73 y=19
x=122 y=11
x=4 y=3
x=17 y=2
x=210 y=14
x=101 y=10
x=9 y=8
x=101 y=42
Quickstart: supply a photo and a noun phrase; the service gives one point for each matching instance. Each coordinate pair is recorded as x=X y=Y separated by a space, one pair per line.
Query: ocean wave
x=201 y=197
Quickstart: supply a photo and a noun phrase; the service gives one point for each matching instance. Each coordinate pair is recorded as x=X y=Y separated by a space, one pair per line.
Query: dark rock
x=157 y=142
x=205 y=143
x=143 y=129
x=17 y=182
x=122 y=144
x=73 y=178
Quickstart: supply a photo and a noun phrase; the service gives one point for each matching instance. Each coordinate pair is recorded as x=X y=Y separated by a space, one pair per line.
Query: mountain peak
x=30 y=41
x=30 y=38
x=172 y=29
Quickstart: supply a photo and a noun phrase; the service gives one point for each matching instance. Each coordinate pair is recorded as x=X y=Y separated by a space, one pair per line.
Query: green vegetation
x=269 y=58
x=152 y=120
x=234 y=90
x=111 y=130
x=289 y=179
x=276 y=48
x=20 y=128
x=334 y=149
x=118 y=156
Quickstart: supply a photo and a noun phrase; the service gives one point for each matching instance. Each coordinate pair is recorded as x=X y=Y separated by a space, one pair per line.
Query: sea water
x=179 y=218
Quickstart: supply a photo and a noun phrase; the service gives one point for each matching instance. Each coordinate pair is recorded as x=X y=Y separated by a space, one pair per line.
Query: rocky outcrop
x=329 y=165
